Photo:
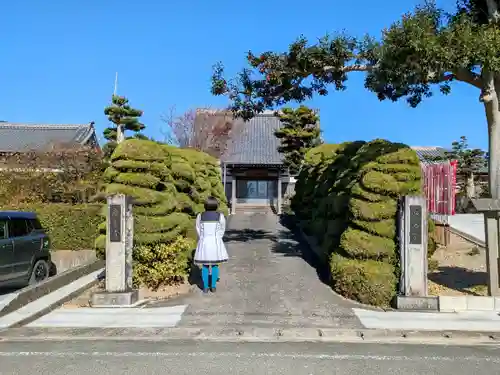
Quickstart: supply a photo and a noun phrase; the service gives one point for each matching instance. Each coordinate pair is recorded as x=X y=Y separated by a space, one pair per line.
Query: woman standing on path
x=210 y=251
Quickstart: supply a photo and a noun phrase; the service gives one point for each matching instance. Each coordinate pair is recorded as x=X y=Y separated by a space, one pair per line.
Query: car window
x=3 y=229
x=18 y=228
x=35 y=224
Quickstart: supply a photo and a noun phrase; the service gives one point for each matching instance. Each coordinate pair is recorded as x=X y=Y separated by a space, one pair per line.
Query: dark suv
x=24 y=249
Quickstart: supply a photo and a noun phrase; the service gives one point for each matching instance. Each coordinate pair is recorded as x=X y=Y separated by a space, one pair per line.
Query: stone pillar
x=492 y=224
x=129 y=244
x=278 y=209
x=233 y=195
x=490 y=208
x=119 y=246
x=413 y=246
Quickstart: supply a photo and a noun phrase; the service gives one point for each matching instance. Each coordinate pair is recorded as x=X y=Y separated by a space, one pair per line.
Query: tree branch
x=350 y=68
x=460 y=75
x=469 y=77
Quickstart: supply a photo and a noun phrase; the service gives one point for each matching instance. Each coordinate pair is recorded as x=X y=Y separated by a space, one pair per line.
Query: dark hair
x=211 y=204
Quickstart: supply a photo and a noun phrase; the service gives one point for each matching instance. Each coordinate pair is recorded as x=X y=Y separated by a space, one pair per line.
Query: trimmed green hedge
x=169 y=186
x=346 y=197
x=70 y=227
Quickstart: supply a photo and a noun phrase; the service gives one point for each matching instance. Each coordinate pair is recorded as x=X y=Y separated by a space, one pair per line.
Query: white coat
x=210 y=248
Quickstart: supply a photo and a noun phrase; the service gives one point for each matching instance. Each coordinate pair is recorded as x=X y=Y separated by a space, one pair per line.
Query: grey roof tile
x=253 y=142
x=23 y=137
x=426 y=153
x=250 y=142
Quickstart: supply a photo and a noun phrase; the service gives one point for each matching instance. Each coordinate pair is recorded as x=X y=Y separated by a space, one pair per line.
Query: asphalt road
x=100 y=357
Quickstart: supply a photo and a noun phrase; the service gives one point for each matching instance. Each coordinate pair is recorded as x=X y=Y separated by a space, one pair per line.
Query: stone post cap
x=129 y=199
x=486 y=204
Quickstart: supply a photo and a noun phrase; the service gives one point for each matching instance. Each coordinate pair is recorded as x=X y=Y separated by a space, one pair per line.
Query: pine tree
x=299 y=133
x=469 y=162
x=123 y=117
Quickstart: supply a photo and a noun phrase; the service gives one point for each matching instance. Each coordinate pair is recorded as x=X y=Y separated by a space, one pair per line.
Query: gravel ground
x=461 y=269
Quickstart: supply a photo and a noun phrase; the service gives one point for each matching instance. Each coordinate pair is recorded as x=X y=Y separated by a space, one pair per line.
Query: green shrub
x=368 y=281
x=359 y=244
x=383 y=228
x=70 y=227
x=365 y=210
x=347 y=197
x=162 y=264
x=169 y=186
x=432 y=243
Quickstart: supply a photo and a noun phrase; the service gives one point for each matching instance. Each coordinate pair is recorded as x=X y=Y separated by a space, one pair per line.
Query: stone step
x=248 y=207
x=263 y=209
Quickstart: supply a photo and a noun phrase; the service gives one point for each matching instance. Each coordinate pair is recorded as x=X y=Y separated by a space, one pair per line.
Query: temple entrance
x=256 y=191
x=256 y=188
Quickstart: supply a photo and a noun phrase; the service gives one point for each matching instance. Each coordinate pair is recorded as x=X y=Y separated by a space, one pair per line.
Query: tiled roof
x=251 y=142
x=426 y=153
x=23 y=137
x=429 y=152
x=254 y=142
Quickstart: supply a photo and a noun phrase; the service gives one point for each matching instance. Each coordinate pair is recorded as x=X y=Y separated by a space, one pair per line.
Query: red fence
x=440 y=179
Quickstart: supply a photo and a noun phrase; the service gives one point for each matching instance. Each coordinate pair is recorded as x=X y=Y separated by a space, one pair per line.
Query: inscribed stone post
x=116 y=244
x=119 y=245
x=413 y=246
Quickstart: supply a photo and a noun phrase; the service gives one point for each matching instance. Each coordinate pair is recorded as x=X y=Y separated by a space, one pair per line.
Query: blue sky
x=59 y=60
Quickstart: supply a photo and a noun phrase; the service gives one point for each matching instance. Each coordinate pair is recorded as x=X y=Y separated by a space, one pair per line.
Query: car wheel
x=40 y=272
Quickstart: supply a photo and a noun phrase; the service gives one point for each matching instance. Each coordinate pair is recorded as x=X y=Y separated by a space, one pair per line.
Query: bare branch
x=203 y=129
x=181 y=127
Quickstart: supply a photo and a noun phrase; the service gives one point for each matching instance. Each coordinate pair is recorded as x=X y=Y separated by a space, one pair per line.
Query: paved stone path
x=266 y=283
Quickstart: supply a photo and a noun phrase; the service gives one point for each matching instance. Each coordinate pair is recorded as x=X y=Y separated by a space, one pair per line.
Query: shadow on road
x=286 y=242
x=290 y=244
x=8 y=290
x=246 y=235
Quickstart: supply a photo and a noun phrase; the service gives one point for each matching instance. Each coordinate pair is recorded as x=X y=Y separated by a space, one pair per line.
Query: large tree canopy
x=427 y=49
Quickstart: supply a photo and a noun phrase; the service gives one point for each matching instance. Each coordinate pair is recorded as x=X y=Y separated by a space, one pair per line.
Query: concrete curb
x=409 y=303
x=41 y=306
x=34 y=292
x=253 y=334
x=448 y=304
x=468 y=303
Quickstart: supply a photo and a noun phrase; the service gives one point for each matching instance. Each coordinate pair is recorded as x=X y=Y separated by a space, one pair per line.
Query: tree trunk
x=489 y=95
x=120 y=135
x=493 y=118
